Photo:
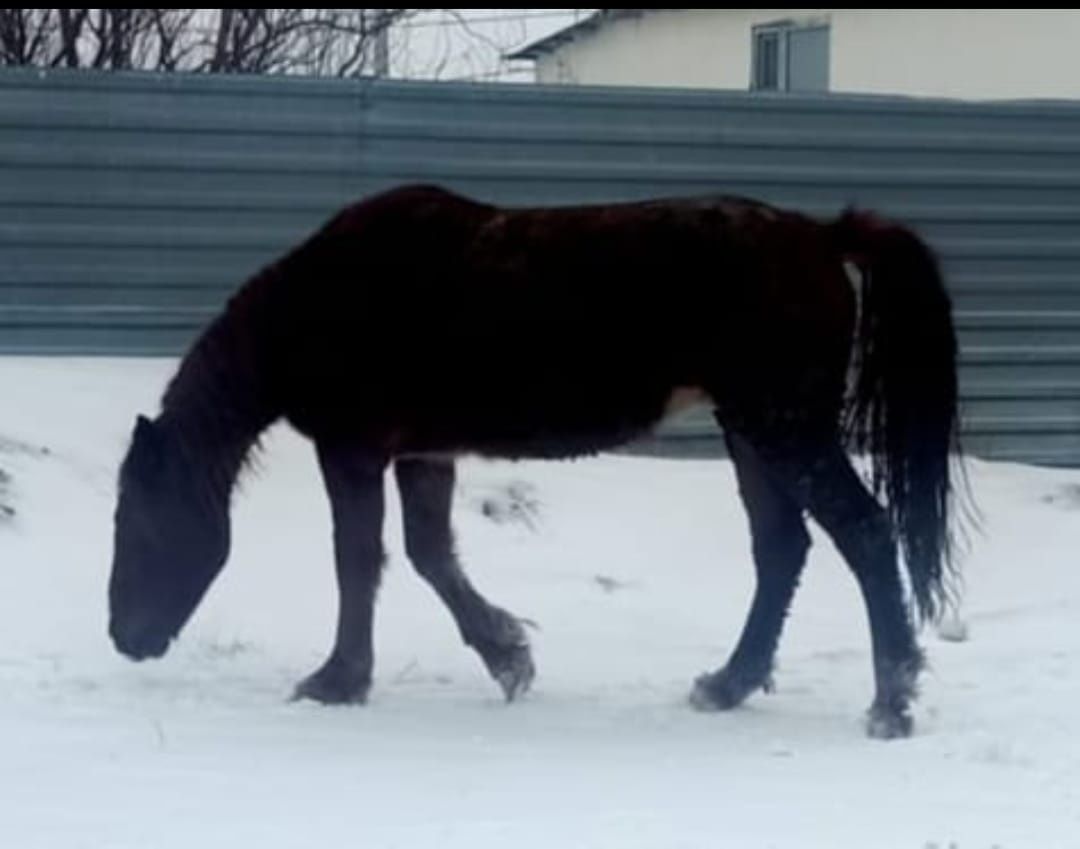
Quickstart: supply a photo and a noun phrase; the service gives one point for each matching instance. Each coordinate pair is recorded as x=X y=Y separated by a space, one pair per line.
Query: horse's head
x=171 y=540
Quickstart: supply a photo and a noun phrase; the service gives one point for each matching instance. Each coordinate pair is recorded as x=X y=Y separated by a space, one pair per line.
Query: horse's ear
x=143 y=427
x=146 y=444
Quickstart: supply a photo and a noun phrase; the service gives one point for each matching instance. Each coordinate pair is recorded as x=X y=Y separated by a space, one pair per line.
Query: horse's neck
x=215 y=405
x=213 y=446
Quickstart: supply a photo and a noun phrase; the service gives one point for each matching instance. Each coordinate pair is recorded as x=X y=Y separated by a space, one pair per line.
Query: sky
x=468 y=44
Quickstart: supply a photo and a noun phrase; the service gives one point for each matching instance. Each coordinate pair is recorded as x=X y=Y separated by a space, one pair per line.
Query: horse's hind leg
x=354 y=482
x=824 y=480
x=780 y=541
x=427 y=488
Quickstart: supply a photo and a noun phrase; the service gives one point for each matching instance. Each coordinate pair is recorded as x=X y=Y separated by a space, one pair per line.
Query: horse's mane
x=216 y=405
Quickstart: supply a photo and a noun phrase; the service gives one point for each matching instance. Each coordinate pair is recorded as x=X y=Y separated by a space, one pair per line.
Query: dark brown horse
x=418 y=325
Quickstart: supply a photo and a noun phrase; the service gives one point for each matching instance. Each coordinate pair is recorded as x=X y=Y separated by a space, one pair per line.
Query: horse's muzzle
x=138 y=643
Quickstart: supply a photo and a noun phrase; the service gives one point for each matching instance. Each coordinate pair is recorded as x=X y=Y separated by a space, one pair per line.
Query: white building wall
x=971 y=54
x=965 y=53
x=684 y=47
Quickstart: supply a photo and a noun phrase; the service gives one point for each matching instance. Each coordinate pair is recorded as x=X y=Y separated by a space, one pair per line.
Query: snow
x=637 y=575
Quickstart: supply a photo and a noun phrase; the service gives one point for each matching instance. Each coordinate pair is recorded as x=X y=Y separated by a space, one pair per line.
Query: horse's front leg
x=427 y=490
x=354 y=482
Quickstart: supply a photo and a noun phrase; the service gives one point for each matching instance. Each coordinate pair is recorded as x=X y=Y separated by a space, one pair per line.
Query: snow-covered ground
x=637 y=574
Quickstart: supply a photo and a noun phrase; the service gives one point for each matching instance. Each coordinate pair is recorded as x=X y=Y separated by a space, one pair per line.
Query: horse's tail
x=902 y=408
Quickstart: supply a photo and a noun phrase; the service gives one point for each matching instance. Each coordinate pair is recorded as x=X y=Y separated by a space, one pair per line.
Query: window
x=790 y=57
x=767 y=60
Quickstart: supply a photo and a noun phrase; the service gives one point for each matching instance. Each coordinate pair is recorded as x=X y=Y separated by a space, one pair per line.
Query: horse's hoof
x=513 y=670
x=711 y=694
x=332 y=685
x=888 y=724
x=504 y=648
x=722 y=691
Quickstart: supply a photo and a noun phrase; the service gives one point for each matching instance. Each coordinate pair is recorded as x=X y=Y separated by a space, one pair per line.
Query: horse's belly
x=547 y=428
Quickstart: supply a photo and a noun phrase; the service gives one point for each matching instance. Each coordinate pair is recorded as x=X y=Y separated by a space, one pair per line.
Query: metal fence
x=132 y=204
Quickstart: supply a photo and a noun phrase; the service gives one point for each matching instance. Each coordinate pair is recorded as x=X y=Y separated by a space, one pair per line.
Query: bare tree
x=324 y=42
x=26 y=35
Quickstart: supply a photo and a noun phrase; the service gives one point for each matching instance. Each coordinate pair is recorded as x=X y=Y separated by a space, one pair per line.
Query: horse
x=418 y=325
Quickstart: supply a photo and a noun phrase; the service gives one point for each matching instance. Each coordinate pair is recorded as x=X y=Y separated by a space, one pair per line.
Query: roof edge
x=566 y=35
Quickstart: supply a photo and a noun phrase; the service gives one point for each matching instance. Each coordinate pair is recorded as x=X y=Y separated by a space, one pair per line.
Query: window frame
x=781 y=31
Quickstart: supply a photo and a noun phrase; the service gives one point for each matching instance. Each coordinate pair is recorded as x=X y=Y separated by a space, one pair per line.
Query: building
x=959 y=53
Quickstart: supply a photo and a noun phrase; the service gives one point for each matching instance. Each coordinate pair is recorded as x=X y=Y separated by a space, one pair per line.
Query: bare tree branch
x=322 y=42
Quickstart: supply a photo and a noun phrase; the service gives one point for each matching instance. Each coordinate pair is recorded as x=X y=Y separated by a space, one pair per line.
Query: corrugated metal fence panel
x=131 y=205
